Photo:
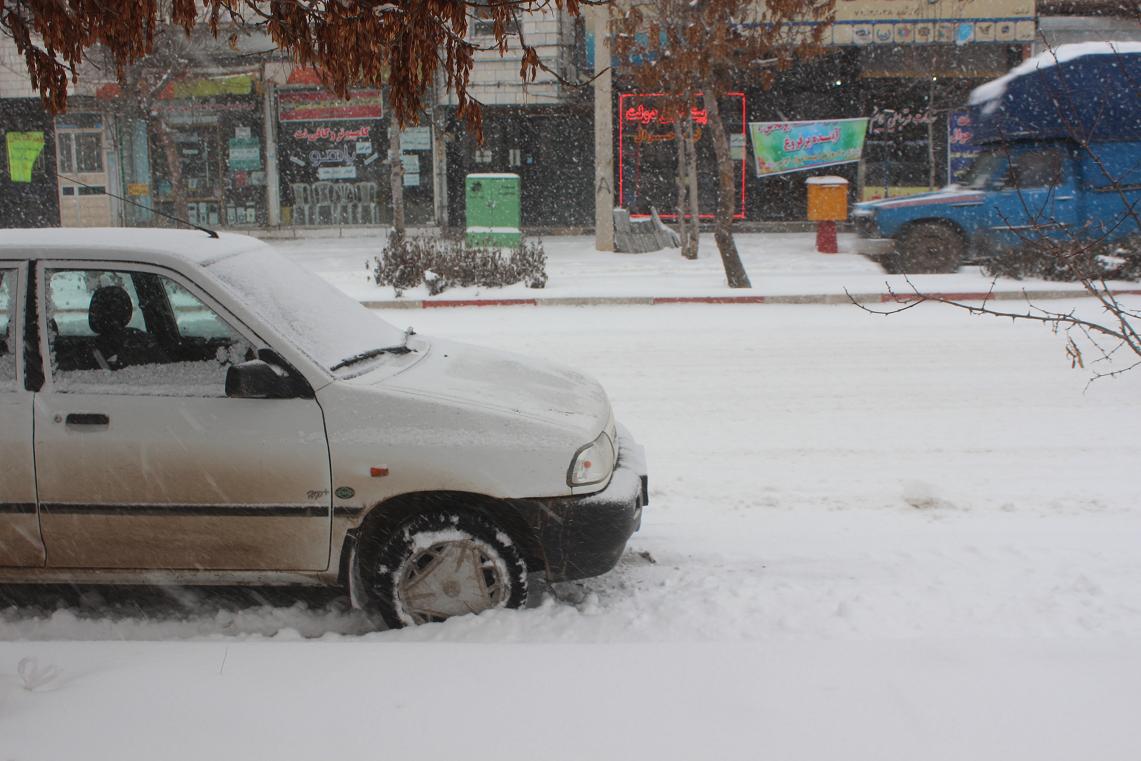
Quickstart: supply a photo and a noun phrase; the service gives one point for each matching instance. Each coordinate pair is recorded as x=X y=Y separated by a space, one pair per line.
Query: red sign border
x=740 y=214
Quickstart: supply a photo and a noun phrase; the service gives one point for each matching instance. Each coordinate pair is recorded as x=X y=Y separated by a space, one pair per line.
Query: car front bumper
x=580 y=537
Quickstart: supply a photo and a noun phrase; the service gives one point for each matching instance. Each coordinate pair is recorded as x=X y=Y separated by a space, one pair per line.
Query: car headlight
x=592 y=463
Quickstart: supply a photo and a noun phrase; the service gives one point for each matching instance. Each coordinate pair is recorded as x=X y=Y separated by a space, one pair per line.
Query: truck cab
x=1060 y=166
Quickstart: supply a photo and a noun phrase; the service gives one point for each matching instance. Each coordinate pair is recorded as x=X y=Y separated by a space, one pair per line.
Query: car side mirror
x=258 y=379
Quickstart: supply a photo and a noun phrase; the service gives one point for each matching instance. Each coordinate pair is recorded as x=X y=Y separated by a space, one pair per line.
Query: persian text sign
x=781 y=147
x=961 y=150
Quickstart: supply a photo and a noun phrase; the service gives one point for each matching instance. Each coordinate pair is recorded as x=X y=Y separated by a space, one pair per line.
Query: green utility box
x=493 y=210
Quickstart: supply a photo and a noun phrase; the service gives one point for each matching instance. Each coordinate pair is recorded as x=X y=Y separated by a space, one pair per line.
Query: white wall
x=495 y=80
x=13 y=73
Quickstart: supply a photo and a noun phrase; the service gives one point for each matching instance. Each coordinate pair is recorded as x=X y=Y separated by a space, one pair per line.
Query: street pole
x=603 y=132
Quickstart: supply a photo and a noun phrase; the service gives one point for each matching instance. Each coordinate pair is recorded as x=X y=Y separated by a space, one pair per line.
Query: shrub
x=1062 y=262
x=440 y=264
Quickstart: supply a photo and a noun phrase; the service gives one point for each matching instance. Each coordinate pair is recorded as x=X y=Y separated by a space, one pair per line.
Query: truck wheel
x=442 y=564
x=927 y=247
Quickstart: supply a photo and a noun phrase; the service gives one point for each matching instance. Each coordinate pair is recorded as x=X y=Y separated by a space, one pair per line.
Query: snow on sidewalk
x=779 y=264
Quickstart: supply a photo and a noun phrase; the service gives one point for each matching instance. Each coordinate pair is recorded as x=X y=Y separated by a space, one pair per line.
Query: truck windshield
x=988 y=164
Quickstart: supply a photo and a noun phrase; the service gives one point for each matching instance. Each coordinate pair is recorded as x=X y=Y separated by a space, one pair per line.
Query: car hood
x=476 y=377
x=950 y=194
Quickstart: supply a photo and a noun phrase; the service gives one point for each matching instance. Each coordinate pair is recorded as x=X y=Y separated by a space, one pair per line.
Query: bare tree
x=706 y=47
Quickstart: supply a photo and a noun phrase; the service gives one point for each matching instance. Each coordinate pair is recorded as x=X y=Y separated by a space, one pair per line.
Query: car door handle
x=88 y=418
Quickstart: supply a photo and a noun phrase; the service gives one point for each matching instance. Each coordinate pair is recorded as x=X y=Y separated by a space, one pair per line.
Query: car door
x=143 y=461
x=1034 y=199
x=20 y=544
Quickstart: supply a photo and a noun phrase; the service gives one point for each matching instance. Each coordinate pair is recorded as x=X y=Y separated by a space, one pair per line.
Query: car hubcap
x=451 y=578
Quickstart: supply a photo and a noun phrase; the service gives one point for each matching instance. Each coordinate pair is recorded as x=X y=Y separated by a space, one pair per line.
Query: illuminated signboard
x=647 y=154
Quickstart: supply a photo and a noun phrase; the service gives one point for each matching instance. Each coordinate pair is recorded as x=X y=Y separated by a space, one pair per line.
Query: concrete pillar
x=272 y=186
x=603 y=131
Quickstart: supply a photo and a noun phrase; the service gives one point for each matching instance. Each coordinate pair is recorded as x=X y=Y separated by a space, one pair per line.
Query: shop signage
x=416 y=139
x=331 y=134
x=961 y=151
x=904 y=22
x=24 y=148
x=320 y=105
x=781 y=147
x=890 y=121
x=245 y=154
x=647 y=155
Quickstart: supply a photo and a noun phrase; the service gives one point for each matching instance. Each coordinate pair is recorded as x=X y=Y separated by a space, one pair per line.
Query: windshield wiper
x=403 y=348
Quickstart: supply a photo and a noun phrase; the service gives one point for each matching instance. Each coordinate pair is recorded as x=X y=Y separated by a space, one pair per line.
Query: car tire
x=891 y=263
x=439 y=565
x=929 y=248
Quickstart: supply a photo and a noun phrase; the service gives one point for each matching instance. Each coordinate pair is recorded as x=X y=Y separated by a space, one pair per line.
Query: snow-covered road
x=868 y=538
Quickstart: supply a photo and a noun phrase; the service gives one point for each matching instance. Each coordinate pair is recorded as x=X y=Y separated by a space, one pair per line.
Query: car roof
x=144 y=244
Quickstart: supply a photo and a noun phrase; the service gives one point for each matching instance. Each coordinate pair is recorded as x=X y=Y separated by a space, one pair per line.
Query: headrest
x=110 y=310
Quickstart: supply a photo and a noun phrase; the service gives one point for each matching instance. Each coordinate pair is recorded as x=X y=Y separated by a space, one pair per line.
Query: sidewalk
x=783 y=267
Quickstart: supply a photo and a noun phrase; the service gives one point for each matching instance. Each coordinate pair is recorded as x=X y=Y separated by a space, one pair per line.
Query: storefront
x=551 y=148
x=207 y=145
x=333 y=160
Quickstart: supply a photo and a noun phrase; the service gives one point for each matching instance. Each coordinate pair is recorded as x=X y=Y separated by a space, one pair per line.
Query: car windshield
x=328 y=326
x=987 y=165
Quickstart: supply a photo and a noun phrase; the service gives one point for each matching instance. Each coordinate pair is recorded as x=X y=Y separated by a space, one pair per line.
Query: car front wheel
x=442 y=564
x=926 y=248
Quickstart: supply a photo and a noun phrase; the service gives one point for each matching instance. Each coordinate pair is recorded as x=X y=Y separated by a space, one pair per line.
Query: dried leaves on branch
x=395 y=43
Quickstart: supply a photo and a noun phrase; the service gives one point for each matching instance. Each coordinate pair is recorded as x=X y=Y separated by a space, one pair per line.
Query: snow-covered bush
x=440 y=264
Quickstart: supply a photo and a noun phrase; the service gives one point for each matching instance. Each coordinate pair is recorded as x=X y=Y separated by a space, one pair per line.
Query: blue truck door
x=1035 y=199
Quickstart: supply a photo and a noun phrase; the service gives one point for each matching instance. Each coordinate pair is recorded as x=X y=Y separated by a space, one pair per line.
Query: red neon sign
x=641 y=123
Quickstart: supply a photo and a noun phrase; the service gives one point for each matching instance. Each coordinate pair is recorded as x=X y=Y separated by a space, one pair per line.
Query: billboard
x=782 y=147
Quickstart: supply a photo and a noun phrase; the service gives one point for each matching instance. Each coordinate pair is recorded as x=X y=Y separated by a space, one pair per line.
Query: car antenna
x=207 y=230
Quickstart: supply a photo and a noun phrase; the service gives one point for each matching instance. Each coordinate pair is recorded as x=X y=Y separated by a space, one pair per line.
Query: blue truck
x=1060 y=164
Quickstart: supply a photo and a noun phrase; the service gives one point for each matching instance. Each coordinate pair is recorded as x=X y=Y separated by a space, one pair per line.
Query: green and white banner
x=781 y=147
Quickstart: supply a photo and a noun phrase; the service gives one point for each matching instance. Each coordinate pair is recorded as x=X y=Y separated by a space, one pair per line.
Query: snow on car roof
x=193 y=246
x=996 y=88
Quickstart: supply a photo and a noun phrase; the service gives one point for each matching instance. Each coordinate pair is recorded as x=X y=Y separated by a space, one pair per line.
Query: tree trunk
x=691 y=173
x=682 y=189
x=174 y=171
x=723 y=224
x=396 y=167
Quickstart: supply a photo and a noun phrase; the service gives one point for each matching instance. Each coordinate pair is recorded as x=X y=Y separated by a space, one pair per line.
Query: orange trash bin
x=827 y=205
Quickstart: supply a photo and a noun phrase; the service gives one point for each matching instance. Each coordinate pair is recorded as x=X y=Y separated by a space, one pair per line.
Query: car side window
x=1035 y=170
x=7 y=340
x=118 y=331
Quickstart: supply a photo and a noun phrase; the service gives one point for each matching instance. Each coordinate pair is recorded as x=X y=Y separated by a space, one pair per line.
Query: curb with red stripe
x=818 y=298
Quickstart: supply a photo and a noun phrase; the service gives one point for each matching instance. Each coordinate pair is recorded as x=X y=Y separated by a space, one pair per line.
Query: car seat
x=117 y=345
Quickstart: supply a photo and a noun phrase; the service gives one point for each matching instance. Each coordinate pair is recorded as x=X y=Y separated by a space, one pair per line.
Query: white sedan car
x=185 y=409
